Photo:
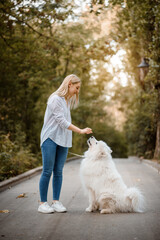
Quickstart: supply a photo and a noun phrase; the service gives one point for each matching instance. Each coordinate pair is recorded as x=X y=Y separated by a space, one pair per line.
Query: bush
x=14 y=158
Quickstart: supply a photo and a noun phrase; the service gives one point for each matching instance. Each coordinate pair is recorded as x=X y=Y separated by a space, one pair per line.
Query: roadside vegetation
x=41 y=43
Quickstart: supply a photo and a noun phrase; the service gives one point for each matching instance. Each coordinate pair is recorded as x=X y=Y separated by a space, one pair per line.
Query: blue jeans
x=54 y=157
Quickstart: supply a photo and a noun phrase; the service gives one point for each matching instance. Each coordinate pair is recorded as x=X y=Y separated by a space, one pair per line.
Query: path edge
x=8 y=183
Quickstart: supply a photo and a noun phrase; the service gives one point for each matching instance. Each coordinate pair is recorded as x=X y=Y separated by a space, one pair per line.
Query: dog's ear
x=109 y=149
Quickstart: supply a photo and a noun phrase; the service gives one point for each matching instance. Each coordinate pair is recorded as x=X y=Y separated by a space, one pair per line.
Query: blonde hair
x=62 y=91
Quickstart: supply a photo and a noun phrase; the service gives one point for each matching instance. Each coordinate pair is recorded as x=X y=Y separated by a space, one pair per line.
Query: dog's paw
x=88 y=209
x=106 y=211
x=139 y=211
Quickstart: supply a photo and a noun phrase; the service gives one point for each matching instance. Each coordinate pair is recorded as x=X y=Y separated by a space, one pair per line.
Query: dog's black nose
x=92 y=137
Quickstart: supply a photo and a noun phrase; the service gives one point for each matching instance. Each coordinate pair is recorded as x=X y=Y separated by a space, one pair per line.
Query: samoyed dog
x=103 y=184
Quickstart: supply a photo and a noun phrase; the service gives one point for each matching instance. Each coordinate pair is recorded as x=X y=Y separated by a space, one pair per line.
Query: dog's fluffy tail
x=136 y=199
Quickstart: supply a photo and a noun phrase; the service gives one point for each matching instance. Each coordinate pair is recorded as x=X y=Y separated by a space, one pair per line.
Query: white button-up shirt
x=56 y=121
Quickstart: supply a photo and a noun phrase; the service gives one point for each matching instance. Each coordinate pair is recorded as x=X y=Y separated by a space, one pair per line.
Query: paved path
x=23 y=222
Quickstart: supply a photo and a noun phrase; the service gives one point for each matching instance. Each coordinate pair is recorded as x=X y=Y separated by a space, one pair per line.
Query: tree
x=40 y=45
x=136 y=30
x=26 y=67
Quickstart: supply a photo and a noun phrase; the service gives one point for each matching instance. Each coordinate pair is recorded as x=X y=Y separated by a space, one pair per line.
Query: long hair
x=62 y=91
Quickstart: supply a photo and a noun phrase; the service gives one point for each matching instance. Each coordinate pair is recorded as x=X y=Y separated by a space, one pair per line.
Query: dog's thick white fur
x=103 y=184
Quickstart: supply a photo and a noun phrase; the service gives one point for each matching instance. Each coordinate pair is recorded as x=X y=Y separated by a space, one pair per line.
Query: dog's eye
x=96 y=142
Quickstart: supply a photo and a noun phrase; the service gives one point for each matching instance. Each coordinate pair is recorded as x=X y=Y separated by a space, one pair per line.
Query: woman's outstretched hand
x=86 y=131
x=78 y=130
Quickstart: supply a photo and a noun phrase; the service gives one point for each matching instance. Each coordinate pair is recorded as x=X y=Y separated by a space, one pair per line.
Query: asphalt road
x=23 y=222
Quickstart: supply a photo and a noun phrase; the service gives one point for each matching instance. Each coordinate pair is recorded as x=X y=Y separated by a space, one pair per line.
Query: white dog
x=105 y=188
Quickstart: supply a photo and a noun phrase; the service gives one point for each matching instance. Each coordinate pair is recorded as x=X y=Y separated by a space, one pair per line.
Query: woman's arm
x=56 y=107
x=78 y=130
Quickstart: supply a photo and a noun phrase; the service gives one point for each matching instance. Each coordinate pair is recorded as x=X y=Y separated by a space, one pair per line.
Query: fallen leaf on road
x=4 y=211
x=22 y=195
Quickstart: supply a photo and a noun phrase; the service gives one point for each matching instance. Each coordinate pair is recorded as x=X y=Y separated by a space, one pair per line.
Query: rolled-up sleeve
x=56 y=107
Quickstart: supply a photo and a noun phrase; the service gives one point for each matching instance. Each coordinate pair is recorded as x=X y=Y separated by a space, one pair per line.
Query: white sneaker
x=58 y=207
x=45 y=208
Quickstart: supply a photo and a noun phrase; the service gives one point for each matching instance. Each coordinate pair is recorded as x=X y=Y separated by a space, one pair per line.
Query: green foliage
x=39 y=46
x=15 y=158
x=136 y=31
x=140 y=127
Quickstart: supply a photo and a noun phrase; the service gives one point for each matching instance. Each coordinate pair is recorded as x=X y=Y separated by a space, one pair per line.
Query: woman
x=56 y=138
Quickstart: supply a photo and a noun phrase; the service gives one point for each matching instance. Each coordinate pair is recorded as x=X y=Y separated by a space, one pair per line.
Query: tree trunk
x=157 y=149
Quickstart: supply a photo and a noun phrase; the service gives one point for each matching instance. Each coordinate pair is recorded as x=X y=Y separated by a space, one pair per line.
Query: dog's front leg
x=92 y=201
